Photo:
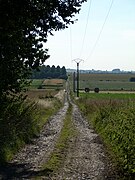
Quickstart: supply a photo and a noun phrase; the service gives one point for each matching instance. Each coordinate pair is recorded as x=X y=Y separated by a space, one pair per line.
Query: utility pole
x=74 y=82
x=78 y=62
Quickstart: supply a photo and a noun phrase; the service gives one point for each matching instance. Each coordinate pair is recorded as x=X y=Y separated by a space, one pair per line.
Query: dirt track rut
x=86 y=158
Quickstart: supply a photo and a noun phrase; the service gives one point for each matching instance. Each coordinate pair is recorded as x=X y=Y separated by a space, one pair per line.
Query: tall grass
x=114 y=120
x=20 y=121
x=17 y=125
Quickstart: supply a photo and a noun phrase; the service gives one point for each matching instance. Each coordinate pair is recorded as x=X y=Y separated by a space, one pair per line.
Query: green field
x=36 y=83
x=106 y=82
x=55 y=84
x=108 y=96
x=113 y=116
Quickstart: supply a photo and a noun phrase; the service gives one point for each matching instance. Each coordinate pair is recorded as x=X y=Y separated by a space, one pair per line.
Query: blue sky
x=103 y=42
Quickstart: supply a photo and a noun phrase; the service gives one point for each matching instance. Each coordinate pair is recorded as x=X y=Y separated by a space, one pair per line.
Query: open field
x=40 y=93
x=112 y=95
x=53 y=84
x=106 y=77
x=112 y=115
x=36 y=83
x=106 y=82
x=56 y=84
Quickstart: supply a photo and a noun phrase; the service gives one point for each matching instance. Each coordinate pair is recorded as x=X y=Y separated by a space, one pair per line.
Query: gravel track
x=28 y=161
x=86 y=157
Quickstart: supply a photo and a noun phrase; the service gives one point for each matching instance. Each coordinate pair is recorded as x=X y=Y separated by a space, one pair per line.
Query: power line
x=85 y=28
x=70 y=43
x=101 y=30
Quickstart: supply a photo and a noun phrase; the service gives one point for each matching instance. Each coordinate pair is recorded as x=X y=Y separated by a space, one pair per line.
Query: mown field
x=113 y=117
x=106 y=82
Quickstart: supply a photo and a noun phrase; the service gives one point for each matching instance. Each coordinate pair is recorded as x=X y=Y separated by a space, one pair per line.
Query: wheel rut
x=29 y=160
x=86 y=158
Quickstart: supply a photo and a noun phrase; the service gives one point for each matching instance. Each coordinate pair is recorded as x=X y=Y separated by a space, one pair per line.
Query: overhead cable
x=101 y=30
x=85 y=28
x=70 y=43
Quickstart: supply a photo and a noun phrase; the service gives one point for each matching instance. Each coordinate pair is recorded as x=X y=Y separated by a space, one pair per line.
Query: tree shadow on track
x=14 y=171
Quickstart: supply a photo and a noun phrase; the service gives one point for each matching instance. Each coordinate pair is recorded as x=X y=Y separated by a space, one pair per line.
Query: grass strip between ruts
x=59 y=154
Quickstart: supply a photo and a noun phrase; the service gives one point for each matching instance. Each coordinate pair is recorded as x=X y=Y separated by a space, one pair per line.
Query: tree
x=53 y=71
x=48 y=71
x=57 y=72
x=24 y=27
x=63 y=73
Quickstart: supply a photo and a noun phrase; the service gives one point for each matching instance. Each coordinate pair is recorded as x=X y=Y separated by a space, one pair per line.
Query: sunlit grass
x=108 y=95
x=113 y=117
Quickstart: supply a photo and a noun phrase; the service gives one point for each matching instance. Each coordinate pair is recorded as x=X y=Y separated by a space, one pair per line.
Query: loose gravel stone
x=86 y=158
x=30 y=159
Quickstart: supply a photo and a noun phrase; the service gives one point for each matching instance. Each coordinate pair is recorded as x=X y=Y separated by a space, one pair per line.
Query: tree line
x=49 y=72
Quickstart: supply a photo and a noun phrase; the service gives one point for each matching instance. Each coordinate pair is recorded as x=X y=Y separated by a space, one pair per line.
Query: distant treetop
x=49 y=72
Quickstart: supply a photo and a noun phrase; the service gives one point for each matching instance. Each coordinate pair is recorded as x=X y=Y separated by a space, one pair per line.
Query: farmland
x=107 y=82
x=109 y=96
x=112 y=115
x=53 y=84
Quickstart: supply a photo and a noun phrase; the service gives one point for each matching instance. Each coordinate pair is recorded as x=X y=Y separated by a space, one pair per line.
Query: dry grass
x=40 y=93
x=45 y=103
x=60 y=95
x=45 y=97
x=53 y=81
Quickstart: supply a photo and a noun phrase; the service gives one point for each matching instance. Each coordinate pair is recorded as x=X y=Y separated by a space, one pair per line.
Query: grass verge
x=114 y=120
x=20 y=121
